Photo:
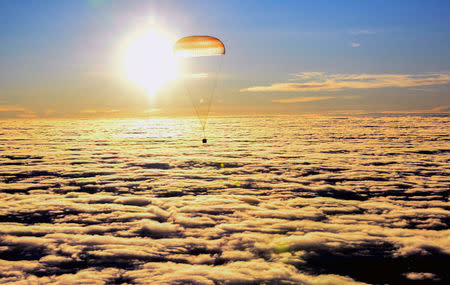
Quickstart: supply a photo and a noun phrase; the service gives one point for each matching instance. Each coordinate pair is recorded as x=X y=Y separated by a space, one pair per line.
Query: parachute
x=200 y=60
x=195 y=46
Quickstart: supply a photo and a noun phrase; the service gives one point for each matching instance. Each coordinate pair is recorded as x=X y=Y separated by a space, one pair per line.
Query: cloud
x=354 y=44
x=441 y=109
x=303 y=99
x=10 y=108
x=48 y=112
x=98 y=111
x=318 y=81
x=361 y=32
x=257 y=271
x=421 y=276
x=27 y=116
x=326 y=207
x=18 y=111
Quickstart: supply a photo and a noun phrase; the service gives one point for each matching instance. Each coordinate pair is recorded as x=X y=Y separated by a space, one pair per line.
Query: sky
x=67 y=59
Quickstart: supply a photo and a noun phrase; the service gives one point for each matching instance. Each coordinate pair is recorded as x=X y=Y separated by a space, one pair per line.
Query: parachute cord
x=203 y=123
x=213 y=91
x=193 y=105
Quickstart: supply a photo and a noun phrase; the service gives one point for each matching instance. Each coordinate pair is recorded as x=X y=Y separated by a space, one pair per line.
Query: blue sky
x=52 y=52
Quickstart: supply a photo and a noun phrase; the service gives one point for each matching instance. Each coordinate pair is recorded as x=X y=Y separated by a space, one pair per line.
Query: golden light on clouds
x=303 y=99
x=317 y=81
x=148 y=60
x=7 y=108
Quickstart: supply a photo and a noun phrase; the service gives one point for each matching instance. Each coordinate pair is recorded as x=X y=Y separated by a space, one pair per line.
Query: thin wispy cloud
x=442 y=109
x=355 y=45
x=17 y=111
x=438 y=109
x=27 y=116
x=334 y=82
x=303 y=99
x=8 y=108
x=361 y=32
x=97 y=111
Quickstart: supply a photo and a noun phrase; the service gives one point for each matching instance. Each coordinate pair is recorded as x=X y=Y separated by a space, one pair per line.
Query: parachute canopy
x=195 y=46
x=199 y=59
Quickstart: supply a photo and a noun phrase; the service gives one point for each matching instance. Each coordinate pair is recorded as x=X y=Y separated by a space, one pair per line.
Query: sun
x=149 y=60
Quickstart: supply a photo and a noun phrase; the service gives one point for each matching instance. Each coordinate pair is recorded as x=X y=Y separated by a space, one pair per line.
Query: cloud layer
x=268 y=200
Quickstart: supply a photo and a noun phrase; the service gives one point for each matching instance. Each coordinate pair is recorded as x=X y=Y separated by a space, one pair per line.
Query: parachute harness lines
x=203 y=117
x=201 y=58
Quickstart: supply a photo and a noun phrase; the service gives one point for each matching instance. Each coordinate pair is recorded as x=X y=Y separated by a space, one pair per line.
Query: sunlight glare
x=149 y=61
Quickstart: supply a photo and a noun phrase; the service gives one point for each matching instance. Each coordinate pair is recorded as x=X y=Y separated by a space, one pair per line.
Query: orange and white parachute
x=194 y=46
x=200 y=59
